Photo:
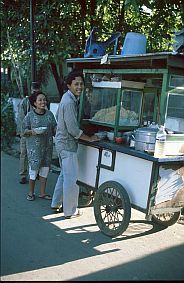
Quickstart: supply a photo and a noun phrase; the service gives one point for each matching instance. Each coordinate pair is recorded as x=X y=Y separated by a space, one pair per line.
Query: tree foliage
x=62 y=27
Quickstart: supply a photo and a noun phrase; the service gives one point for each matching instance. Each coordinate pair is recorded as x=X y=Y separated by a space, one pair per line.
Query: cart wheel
x=86 y=196
x=112 y=209
x=166 y=219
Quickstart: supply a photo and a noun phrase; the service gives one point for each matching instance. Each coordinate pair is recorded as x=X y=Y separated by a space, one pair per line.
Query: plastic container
x=101 y=135
x=174 y=144
x=110 y=136
x=135 y=43
x=161 y=137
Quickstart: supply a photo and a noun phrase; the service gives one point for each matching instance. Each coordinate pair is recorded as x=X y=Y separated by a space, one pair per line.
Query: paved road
x=37 y=245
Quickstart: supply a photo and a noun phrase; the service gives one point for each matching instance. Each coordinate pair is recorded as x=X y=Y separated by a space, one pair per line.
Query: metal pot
x=145 y=139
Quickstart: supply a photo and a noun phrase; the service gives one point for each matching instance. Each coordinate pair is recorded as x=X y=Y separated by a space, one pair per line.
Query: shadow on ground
x=33 y=238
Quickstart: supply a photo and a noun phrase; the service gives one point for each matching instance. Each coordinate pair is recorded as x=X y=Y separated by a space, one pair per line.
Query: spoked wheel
x=166 y=219
x=86 y=196
x=112 y=209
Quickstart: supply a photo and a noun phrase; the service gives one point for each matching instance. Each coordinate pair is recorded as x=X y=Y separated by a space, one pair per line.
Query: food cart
x=123 y=95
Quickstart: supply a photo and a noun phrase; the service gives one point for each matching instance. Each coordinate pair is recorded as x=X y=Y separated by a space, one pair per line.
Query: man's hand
x=89 y=139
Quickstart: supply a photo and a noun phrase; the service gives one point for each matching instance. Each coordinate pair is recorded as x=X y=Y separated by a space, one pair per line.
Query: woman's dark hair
x=34 y=95
x=72 y=75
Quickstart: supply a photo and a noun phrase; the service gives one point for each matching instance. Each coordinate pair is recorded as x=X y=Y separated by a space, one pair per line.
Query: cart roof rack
x=148 y=60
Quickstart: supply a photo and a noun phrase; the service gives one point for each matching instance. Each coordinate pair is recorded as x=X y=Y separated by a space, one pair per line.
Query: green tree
x=62 y=27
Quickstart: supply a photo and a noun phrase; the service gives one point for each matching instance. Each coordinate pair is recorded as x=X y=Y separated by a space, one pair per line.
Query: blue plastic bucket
x=135 y=43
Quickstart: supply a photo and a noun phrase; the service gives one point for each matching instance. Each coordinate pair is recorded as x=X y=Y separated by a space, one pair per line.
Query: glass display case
x=112 y=103
x=130 y=110
x=104 y=97
x=150 y=104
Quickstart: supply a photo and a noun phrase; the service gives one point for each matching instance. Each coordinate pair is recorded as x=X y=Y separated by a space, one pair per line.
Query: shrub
x=10 y=88
x=8 y=124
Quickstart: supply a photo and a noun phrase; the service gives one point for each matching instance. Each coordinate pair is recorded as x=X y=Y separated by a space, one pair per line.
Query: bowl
x=40 y=130
x=110 y=136
x=119 y=140
x=101 y=135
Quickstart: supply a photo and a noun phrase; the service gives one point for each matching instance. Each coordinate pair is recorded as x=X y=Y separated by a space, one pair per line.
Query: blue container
x=135 y=43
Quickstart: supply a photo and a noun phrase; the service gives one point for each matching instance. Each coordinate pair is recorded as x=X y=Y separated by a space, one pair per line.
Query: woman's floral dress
x=40 y=146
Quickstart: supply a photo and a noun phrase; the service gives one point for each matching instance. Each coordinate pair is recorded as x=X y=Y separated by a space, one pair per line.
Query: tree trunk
x=58 y=78
x=83 y=13
x=92 y=12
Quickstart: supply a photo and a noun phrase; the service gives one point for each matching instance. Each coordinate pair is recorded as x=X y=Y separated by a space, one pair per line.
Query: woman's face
x=76 y=86
x=41 y=102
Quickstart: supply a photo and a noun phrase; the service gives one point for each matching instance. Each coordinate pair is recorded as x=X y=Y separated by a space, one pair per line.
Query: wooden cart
x=120 y=96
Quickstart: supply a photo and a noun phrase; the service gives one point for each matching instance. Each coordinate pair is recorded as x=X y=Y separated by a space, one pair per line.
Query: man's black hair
x=35 y=85
x=72 y=75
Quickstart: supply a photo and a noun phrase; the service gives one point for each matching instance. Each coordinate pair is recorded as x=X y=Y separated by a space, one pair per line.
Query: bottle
x=160 y=142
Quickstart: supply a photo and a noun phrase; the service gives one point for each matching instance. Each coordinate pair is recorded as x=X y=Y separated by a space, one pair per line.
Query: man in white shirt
x=66 y=141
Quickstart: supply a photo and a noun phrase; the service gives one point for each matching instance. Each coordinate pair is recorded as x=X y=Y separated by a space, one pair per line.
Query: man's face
x=76 y=86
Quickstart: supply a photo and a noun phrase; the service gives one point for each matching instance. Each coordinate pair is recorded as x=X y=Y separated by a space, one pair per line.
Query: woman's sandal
x=31 y=197
x=47 y=197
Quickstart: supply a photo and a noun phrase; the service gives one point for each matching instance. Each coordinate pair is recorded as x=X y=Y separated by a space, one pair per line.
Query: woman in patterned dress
x=39 y=146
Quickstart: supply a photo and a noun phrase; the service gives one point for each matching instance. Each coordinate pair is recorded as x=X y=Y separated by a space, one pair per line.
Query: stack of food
x=108 y=115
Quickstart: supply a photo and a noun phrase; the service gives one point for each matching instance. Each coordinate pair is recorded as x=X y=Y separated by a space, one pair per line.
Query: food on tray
x=108 y=114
